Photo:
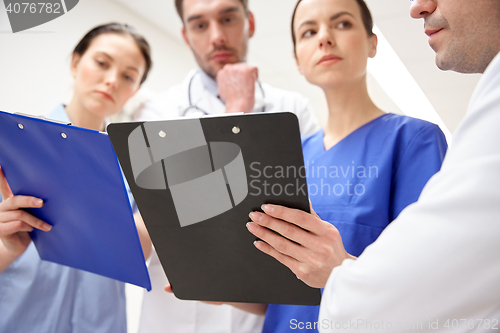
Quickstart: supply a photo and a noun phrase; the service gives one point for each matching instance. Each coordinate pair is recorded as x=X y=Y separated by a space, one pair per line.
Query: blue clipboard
x=76 y=172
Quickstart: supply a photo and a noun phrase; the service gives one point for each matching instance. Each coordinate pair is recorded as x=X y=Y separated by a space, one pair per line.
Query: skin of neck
x=349 y=107
x=81 y=117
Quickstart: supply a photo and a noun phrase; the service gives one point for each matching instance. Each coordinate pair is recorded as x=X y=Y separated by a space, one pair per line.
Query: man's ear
x=251 y=24
x=75 y=60
x=373 y=46
x=185 y=37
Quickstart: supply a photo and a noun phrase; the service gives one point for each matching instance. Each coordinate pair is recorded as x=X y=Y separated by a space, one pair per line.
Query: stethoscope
x=203 y=112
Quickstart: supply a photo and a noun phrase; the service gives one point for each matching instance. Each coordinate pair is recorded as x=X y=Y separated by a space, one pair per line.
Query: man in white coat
x=437 y=266
x=217 y=32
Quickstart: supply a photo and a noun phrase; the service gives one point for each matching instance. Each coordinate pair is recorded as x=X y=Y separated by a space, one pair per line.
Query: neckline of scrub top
x=350 y=134
x=60 y=113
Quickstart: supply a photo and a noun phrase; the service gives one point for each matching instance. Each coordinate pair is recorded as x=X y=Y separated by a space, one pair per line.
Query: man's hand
x=316 y=249
x=236 y=84
x=16 y=223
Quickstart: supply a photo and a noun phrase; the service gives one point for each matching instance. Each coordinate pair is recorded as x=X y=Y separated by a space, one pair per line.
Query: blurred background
x=35 y=76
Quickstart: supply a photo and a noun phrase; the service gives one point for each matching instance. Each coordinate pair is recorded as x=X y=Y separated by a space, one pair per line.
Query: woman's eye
x=101 y=63
x=129 y=78
x=308 y=33
x=344 y=25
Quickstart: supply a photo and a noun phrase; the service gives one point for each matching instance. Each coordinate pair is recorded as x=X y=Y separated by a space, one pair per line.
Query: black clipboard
x=196 y=180
x=75 y=171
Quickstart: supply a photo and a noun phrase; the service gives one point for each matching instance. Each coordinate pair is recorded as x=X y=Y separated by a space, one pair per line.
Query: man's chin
x=213 y=67
x=217 y=66
x=457 y=64
x=442 y=62
x=441 y=65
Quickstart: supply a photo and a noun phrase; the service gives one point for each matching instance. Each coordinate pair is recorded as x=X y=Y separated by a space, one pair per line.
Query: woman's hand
x=316 y=249
x=16 y=223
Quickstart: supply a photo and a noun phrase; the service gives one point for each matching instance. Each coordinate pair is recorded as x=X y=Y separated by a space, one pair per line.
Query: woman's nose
x=325 y=38
x=111 y=77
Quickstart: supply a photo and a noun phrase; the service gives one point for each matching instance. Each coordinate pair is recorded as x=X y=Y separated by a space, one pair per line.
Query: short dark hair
x=117 y=28
x=365 y=15
x=178 y=6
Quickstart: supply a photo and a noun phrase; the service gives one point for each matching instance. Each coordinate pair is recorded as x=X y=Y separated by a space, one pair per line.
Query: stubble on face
x=210 y=67
x=471 y=34
x=206 y=48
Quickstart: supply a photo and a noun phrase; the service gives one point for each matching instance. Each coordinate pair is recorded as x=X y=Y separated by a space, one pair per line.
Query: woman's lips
x=105 y=95
x=329 y=59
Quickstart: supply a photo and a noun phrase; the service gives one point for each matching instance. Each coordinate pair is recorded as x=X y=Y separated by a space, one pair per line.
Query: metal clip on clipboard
x=42 y=117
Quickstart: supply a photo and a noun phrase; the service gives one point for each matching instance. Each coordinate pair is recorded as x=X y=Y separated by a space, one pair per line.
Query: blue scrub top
x=360 y=185
x=41 y=296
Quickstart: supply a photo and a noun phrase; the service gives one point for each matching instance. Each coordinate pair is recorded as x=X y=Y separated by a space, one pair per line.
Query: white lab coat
x=163 y=312
x=437 y=266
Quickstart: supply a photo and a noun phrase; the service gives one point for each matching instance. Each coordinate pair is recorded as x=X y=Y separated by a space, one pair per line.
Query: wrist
x=7 y=256
x=239 y=106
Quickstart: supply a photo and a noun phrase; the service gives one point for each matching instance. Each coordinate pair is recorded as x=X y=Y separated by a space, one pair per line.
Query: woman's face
x=332 y=45
x=108 y=73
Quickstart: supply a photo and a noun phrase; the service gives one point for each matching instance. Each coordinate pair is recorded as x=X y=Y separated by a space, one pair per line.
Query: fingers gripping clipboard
x=195 y=182
x=76 y=173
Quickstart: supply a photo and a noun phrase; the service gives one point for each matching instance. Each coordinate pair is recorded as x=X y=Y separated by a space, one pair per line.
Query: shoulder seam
x=406 y=148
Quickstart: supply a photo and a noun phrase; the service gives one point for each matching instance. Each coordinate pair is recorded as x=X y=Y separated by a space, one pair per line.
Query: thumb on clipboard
x=15 y=223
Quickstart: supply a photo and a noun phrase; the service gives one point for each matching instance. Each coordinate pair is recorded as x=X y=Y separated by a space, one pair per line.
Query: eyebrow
x=230 y=10
x=224 y=11
x=332 y=18
x=110 y=57
x=133 y=68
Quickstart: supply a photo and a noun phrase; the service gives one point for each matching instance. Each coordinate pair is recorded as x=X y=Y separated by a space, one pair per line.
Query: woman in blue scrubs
x=363 y=169
x=108 y=65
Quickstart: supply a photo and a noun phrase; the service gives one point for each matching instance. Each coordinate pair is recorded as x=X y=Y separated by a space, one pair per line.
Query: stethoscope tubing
x=191 y=105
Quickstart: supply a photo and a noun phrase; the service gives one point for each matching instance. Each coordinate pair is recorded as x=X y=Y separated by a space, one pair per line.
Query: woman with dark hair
x=363 y=169
x=108 y=66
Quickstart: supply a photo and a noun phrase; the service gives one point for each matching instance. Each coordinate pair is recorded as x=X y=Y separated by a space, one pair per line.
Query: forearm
x=254 y=308
x=6 y=257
